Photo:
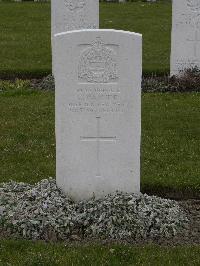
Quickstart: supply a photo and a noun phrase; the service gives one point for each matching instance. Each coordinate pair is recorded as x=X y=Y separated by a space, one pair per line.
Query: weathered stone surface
x=67 y=15
x=70 y=15
x=98 y=102
x=185 y=49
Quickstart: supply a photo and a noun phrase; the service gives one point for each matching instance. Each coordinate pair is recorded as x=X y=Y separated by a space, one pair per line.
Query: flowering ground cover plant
x=42 y=210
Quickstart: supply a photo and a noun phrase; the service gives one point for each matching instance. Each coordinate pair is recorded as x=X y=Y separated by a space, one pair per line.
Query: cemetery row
x=98 y=136
x=98 y=80
x=185 y=27
x=98 y=95
x=185 y=30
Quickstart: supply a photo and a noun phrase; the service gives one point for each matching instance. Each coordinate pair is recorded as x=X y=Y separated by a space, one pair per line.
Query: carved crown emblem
x=194 y=5
x=75 y=4
x=195 y=21
x=98 y=63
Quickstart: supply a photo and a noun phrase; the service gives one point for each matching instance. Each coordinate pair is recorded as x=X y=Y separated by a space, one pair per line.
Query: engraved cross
x=196 y=41
x=98 y=139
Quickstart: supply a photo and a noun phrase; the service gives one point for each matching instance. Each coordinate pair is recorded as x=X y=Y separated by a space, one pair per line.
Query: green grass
x=171 y=143
x=170 y=139
x=170 y=129
x=25 y=48
x=27 y=141
x=32 y=253
x=152 y=20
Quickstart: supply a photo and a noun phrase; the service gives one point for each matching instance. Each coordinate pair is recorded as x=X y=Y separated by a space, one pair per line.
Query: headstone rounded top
x=98 y=112
x=98 y=31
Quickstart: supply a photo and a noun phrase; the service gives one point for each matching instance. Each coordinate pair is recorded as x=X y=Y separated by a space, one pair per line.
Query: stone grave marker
x=185 y=46
x=98 y=102
x=68 y=15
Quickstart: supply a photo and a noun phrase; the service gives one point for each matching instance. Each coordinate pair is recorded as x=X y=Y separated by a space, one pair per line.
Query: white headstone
x=98 y=102
x=68 y=15
x=185 y=48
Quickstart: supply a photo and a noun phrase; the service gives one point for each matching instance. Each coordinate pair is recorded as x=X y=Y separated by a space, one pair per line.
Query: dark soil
x=190 y=236
x=192 y=208
x=188 y=81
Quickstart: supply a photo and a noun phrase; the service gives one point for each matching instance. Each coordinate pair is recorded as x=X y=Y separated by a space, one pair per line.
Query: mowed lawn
x=25 y=46
x=170 y=164
x=24 y=253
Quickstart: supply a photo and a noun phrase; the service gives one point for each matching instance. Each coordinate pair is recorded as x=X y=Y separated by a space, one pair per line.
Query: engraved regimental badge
x=97 y=64
x=75 y=4
x=194 y=5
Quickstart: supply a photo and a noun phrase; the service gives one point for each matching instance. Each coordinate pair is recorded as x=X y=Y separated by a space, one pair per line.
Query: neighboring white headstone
x=98 y=102
x=185 y=49
x=68 y=15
